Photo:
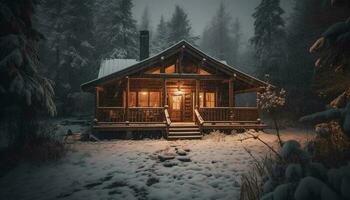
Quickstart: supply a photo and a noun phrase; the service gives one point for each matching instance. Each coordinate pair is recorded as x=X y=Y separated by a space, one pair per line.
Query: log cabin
x=180 y=91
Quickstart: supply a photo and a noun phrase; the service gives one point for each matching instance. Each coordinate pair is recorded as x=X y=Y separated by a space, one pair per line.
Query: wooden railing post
x=97 y=103
x=127 y=99
x=197 y=94
x=230 y=93
x=164 y=99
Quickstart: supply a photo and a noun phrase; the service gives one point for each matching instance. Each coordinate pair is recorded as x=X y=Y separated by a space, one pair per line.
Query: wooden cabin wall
x=111 y=96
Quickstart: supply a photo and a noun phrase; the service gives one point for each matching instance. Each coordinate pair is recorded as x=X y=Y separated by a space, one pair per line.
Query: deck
x=158 y=119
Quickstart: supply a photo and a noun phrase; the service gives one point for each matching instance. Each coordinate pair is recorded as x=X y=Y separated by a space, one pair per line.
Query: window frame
x=138 y=92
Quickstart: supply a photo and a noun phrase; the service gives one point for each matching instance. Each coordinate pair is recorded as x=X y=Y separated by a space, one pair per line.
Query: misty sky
x=200 y=12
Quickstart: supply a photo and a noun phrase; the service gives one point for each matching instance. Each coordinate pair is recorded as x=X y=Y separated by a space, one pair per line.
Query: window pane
x=210 y=99
x=132 y=99
x=154 y=99
x=170 y=69
x=201 y=99
x=177 y=102
x=143 y=99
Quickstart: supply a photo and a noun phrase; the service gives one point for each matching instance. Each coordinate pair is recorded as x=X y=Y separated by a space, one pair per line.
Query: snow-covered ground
x=127 y=169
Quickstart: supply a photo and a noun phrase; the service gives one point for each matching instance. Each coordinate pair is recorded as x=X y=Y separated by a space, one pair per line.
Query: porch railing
x=229 y=114
x=146 y=114
x=110 y=114
x=137 y=114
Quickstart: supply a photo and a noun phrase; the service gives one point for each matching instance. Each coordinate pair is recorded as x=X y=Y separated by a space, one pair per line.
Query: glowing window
x=203 y=72
x=154 y=99
x=177 y=102
x=210 y=99
x=143 y=99
x=170 y=69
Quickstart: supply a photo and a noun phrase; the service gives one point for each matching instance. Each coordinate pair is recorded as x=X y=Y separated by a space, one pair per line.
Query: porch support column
x=230 y=93
x=164 y=100
x=197 y=93
x=97 y=101
x=127 y=99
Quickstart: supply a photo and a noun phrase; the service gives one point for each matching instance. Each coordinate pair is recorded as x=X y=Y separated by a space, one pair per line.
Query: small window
x=170 y=69
x=210 y=99
x=177 y=102
x=203 y=72
x=143 y=99
x=132 y=99
x=154 y=99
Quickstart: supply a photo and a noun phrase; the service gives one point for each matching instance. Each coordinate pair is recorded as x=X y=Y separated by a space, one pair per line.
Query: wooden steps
x=184 y=131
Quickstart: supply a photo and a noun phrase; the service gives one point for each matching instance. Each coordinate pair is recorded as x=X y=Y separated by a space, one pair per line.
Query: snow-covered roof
x=223 y=62
x=110 y=66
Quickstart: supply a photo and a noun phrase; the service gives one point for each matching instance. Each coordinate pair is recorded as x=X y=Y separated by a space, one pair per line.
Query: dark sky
x=200 y=12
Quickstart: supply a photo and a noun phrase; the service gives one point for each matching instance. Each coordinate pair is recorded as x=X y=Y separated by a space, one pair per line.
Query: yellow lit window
x=143 y=99
x=170 y=69
x=210 y=99
x=154 y=99
x=177 y=102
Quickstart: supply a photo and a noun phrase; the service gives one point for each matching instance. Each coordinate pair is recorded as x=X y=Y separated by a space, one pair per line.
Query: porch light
x=179 y=91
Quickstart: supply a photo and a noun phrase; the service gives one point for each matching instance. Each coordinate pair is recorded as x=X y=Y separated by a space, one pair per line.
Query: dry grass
x=216 y=136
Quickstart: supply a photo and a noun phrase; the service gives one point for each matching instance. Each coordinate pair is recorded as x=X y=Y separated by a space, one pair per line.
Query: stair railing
x=199 y=120
x=167 y=119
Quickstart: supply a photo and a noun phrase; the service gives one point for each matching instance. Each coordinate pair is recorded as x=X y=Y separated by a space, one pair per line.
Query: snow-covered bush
x=216 y=135
x=271 y=101
x=45 y=145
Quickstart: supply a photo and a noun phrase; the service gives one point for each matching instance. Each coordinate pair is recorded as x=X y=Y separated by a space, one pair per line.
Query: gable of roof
x=126 y=70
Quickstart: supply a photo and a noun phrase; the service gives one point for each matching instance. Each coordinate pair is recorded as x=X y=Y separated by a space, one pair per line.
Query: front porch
x=147 y=104
x=158 y=119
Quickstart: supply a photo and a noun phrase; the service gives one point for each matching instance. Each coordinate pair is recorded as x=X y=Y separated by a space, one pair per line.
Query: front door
x=176 y=108
x=181 y=107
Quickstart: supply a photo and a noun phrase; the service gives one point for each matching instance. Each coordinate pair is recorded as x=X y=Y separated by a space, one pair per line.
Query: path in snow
x=128 y=169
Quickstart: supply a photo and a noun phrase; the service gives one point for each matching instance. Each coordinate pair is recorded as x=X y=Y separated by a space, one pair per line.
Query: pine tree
x=70 y=48
x=268 y=38
x=78 y=53
x=159 y=42
x=179 y=27
x=236 y=38
x=221 y=38
x=23 y=91
x=217 y=39
x=116 y=29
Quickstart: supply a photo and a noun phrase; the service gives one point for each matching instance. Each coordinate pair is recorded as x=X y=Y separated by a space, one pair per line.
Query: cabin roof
x=110 y=66
x=118 y=68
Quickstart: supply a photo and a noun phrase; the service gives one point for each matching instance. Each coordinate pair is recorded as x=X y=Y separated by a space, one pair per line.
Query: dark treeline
x=282 y=52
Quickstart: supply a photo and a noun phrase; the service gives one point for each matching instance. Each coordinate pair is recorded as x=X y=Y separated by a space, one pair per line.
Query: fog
x=200 y=12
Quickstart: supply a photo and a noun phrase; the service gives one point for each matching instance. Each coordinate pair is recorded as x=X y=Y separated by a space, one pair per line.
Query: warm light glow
x=179 y=92
x=144 y=93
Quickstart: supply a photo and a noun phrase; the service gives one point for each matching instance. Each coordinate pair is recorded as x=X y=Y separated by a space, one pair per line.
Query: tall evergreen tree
x=160 y=39
x=23 y=91
x=116 y=29
x=70 y=46
x=268 y=38
x=179 y=27
x=217 y=39
x=236 y=39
